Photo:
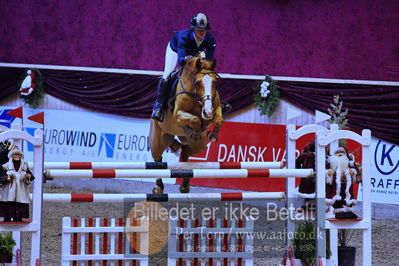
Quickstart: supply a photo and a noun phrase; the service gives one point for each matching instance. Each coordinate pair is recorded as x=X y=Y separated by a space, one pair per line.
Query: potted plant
x=346 y=254
x=304 y=243
x=7 y=243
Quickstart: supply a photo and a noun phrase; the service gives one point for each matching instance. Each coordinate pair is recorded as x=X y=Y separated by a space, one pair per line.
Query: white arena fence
x=190 y=242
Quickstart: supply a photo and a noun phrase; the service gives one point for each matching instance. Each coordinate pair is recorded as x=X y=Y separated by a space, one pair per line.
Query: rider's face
x=200 y=34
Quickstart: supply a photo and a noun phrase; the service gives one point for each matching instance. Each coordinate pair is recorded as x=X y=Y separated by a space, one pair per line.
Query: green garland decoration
x=36 y=97
x=267 y=96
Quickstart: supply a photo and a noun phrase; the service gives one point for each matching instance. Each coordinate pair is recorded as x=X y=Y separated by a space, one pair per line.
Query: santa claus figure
x=14 y=191
x=341 y=173
x=28 y=84
x=307 y=186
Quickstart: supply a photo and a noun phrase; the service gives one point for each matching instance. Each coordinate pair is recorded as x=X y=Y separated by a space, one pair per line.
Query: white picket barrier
x=228 y=242
x=106 y=243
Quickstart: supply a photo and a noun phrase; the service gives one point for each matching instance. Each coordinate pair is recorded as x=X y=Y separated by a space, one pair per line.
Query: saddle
x=171 y=84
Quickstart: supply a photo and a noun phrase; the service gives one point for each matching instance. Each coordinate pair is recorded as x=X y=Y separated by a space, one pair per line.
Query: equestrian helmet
x=200 y=22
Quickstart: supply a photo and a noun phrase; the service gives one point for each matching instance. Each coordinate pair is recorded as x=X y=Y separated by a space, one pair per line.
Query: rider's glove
x=187 y=57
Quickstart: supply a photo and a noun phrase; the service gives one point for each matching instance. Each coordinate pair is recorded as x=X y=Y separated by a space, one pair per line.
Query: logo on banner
x=31 y=131
x=6 y=119
x=107 y=141
x=385 y=159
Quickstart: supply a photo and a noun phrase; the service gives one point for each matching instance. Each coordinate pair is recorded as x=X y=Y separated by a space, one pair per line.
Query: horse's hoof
x=157 y=190
x=184 y=189
x=212 y=136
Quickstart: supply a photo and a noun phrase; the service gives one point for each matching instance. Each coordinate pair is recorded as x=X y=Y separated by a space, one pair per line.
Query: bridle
x=194 y=94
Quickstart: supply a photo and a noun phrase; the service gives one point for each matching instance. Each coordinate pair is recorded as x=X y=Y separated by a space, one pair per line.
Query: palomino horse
x=197 y=106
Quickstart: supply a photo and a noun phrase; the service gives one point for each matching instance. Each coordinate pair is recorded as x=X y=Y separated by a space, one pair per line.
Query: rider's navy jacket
x=183 y=43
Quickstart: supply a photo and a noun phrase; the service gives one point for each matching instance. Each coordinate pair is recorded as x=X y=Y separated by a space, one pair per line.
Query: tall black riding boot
x=157 y=111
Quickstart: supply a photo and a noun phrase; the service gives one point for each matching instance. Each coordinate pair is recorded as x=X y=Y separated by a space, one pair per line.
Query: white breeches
x=170 y=61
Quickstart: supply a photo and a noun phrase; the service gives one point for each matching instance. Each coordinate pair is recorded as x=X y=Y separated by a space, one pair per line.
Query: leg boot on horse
x=159 y=187
x=185 y=185
x=157 y=112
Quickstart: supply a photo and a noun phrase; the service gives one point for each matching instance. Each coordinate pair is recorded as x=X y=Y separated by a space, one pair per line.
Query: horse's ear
x=213 y=64
x=191 y=65
x=198 y=64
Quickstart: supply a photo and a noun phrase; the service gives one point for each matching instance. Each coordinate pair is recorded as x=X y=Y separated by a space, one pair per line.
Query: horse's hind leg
x=158 y=143
x=159 y=187
x=185 y=184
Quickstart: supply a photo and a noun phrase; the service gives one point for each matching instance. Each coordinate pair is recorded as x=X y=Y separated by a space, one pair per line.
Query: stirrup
x=157 y=114
x=226 y=108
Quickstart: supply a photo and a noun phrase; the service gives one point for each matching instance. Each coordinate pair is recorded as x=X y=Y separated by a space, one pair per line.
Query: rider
x=184 y=44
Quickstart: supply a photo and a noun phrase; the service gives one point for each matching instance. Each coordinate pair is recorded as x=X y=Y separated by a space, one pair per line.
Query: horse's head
x=204 y=84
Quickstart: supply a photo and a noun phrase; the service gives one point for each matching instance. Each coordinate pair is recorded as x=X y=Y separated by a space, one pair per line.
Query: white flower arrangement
x=264 y=92
x=267 y=96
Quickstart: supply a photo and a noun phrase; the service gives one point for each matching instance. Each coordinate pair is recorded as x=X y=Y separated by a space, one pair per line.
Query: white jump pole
x=180 y=173
x=161 y=165
x=172 y=197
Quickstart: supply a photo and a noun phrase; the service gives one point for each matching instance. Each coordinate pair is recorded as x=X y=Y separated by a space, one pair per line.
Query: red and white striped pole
x=172 y=197
x=181 y=173
x=161 y=165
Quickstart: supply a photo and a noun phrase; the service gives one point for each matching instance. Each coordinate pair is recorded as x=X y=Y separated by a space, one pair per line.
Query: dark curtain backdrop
x=373 y=107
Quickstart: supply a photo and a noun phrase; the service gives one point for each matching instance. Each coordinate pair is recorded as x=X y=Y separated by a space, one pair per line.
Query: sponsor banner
x=385 y=172
x=93 y=137
x=84 y=136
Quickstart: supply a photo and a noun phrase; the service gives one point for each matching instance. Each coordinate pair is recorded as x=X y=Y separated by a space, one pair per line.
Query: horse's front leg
x=189 y=122
x=217 y=124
